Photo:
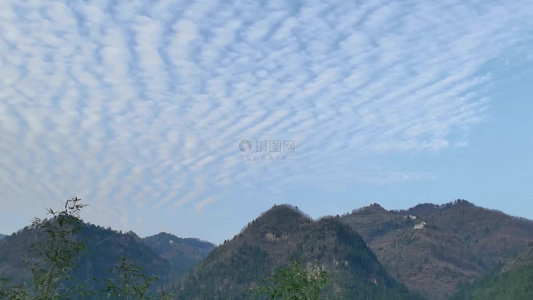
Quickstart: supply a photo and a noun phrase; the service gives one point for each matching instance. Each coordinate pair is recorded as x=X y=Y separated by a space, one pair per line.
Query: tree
x=131 y=283
x=295 y=283
x=55 y=260
x=10 y=292
x=57 y=255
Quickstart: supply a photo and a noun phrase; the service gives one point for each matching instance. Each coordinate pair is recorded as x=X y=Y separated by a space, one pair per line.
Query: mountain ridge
x=432 y=248
x=105 y=247
x=278 y=236
x=183 y=253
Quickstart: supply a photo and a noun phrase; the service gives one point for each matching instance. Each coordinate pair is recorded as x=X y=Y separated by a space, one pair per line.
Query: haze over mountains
x=427 y=251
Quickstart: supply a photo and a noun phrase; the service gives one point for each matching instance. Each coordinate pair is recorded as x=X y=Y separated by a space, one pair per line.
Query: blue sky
x=138 y=108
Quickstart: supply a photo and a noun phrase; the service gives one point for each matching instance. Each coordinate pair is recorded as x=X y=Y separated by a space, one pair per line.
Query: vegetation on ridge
x=56 y=257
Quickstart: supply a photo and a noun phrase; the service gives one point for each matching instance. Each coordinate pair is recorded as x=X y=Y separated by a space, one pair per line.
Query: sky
x=193 y=117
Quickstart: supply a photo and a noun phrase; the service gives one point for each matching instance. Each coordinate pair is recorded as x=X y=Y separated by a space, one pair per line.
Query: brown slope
x=507 y=281
x=460 y=242
x=525 y=259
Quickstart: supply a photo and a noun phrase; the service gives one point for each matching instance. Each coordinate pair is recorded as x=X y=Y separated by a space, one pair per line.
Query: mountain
x=510 y=281
x=279 y=236
x=183 y=253
x=433 y=248
x=105 y=247
x=2 y=236
x=370 y=253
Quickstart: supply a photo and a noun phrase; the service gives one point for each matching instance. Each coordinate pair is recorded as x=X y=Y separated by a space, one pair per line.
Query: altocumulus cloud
x=138 y=106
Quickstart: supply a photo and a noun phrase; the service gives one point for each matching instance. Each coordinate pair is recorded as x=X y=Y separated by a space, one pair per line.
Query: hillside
x=369 y=253
x=432 y=248
x=183 y=253
x=2 y=236
x=105 y=247
x=279 y=236
x=510 y=281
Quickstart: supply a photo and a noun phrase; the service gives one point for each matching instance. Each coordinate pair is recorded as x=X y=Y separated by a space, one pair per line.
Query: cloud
x=140 y=107
x=199 y=207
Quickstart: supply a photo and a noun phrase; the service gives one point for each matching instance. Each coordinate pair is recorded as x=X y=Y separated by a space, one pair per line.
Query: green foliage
x=515 y=284
x=131 y=283
x=295 y=283
x=12 y=292
x=57 y=255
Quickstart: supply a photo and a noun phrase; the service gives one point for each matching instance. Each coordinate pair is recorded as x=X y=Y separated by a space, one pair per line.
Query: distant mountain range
x=2 y=236
x=182 y=253
x=430 y=251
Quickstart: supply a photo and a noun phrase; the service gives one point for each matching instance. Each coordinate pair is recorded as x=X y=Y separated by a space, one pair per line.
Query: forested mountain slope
x=432 y=248
x=277 y=237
